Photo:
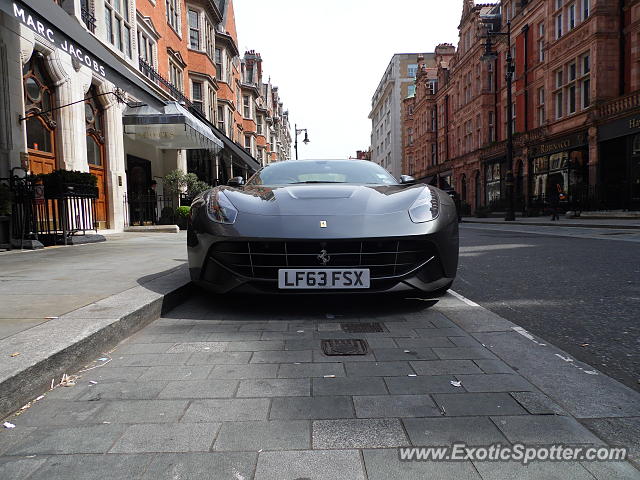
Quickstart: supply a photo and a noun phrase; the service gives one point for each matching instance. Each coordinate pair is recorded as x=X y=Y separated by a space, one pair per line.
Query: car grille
x=263 y=259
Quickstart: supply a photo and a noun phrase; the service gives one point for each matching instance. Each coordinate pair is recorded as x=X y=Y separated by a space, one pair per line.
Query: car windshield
x=322 y=171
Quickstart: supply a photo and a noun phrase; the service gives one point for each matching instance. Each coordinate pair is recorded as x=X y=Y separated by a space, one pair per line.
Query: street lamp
x=491 y=55
x=305 y=141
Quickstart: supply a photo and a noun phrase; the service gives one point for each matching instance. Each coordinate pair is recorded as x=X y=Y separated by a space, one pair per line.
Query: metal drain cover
x=344 y=346
x=372 y=327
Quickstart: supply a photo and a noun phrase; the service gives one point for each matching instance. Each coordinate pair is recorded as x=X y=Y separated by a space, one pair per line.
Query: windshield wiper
x=314 y=181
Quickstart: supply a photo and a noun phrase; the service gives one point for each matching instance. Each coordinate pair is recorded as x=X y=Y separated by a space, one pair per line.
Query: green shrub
x=183 y=212
x=177 y=182
x=482 y=212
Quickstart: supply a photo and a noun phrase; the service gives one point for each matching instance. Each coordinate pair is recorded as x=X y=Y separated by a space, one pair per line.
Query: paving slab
x=269 y=435
x=384 y=464
x=621 y=432
x=20 y=468
x=466 y=404
x=140 y=411
x=537 y=403
x=226 y=410
x=199 y=372
x=311 y=370
x=68 y=440
x=545 y=429
x=421 y=385
x=377 y=369
x=426 y=432
x=358 y=433
x=244 y=371
x=306 y=464
x=219 y=358
x=275 y=387
x=206 y=347
x=532 y=471
x=445 y=367
x=403 y=354
x=92 y=467
x=501 y=382
x=282 y=356
x=227 y=465
x=198 y=389
x=349 y=386
x=173 y=437
x=296 y=408
x=381 y=406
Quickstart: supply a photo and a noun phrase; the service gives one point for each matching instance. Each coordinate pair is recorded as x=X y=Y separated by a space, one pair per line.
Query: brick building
x=576 y=107
x=129 y=90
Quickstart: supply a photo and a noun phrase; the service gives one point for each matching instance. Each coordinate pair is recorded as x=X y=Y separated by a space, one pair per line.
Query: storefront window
x=38 y=100
x=636 y=145
x=492 y=176
x=93 y=124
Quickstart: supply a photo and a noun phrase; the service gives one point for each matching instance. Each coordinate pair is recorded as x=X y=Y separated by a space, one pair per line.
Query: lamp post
x=489 y=56
x=298 y=132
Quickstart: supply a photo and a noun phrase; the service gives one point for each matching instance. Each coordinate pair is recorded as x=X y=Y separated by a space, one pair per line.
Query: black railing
x=53 y=218
x=158 y=79
x=88 y=18
x=151 y=209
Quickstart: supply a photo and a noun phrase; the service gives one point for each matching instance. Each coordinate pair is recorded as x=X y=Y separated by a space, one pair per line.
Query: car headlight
x=220 y=209
x=426 y=207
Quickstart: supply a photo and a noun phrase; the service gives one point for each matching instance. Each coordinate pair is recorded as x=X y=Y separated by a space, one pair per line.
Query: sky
x=327 y=58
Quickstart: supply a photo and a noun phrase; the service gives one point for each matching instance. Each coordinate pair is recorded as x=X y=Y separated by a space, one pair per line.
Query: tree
x=177 y=182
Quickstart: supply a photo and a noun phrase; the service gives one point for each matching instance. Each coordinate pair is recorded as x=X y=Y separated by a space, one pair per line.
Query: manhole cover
x=346 y=346
x=373 y=327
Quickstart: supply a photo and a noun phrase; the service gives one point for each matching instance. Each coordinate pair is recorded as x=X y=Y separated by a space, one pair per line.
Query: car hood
x=329 y=200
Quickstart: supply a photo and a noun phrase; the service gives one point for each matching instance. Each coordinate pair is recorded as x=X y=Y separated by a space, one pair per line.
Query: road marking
x=464 y=299
x=528 y=336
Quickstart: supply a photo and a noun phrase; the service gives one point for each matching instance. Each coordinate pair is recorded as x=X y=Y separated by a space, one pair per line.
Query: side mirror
x=236 y=182
x=407 y=180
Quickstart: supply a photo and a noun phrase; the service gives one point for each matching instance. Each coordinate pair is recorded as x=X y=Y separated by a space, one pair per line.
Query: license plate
x=332 y=278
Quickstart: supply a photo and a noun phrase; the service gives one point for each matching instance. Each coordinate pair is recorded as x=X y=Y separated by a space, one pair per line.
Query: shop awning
x=172 y=128
x=237 y=150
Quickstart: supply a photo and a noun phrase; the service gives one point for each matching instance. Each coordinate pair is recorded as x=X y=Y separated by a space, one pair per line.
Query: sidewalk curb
x=582 y=391
x=556 y=224
x=66 y=344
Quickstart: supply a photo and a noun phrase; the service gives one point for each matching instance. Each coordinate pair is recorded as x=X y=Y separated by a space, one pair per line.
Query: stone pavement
x=45 y=283
x=239 y=389
x=580 y=222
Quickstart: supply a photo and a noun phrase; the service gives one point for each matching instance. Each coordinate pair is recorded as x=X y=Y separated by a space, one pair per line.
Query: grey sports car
x=320 y=226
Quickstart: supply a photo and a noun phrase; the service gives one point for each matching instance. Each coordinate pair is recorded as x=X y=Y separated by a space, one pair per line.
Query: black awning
x=69 y=36
x=236 y=149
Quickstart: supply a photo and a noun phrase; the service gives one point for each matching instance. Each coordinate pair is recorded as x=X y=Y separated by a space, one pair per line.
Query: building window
x=259 y=125
x=196 y=95
x=175 y=75
x=117 y=22
x=210 y=38
x=146 y=50
x=434 y=154
x=492 y=126
x=541 y=42
x=212 y=104
x=411 y=91
x=246 y=106
x=559 y=104
x=571 y=16
x=220 y=119
x=247 y=143
x=412 y=70
x=218 y=60
x=93 y=127
x=541 y=110
x=173 y=14
x=558 y=21
x=585 y=80
x=194 y=29
x=585 y=9
x=490 y=77
x=38 y=97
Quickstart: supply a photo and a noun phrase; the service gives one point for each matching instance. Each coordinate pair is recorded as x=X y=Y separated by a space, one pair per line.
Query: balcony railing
x=165 y=84
x=619 y=105
x=88 y=18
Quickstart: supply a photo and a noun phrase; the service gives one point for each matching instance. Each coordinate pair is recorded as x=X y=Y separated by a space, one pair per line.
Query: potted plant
x=182 y=217
x=61 y=183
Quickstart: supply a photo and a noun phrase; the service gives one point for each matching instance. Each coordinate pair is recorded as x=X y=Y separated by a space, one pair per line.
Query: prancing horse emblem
x=324 y=257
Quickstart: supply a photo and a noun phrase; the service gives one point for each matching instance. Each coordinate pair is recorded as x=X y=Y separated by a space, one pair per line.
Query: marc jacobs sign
x=36 y=24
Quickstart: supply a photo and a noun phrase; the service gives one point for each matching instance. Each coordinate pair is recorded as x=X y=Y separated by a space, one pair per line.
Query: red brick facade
x=576 y=99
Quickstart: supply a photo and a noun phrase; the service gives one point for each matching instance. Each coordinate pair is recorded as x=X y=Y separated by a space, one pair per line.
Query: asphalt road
x=578 y=289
